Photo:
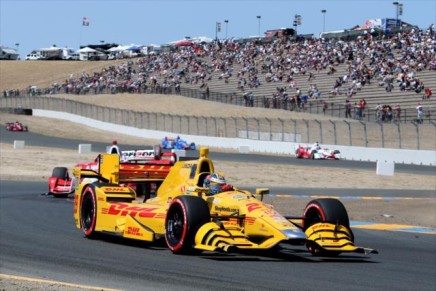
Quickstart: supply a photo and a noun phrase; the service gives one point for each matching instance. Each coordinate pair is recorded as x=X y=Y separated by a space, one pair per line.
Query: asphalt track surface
x=39 y=240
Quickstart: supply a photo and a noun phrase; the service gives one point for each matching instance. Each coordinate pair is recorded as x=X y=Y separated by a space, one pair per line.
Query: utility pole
x=323 y=21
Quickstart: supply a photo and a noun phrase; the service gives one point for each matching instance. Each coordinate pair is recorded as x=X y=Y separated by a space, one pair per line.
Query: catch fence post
x=382 y=133
x=307 y=129
x=349 y=131
x=334 y=131
x=417 y=134
x=320 y=129
x=366 y=133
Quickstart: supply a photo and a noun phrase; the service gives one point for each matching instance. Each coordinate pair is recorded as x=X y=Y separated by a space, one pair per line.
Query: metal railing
x=402 y=135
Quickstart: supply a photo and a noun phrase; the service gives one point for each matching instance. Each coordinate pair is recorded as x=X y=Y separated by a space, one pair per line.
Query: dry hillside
x=21 y=74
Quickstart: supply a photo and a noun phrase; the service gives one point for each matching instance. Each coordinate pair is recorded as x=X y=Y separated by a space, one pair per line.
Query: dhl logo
x=133 y=231
x=116 y=189
x=321 y=226
x=124 y=209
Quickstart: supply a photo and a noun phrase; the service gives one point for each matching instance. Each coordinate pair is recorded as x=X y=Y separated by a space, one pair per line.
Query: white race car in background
x=318 y=153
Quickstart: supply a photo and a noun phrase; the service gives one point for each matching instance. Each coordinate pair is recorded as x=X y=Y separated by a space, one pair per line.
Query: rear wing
x=147 y=155
x=106 y=169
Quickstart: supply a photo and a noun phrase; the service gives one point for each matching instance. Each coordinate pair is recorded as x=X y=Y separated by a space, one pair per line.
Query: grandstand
x=373 y=92
x=272 y=71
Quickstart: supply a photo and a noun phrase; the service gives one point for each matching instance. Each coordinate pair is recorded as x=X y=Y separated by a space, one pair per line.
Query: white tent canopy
x=119 y=48
x=87 y=50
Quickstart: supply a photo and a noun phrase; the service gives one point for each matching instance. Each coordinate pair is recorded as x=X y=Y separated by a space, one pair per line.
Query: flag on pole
x=85 y=21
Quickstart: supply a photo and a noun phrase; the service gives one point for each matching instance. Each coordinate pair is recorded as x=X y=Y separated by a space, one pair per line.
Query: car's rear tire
x=184 y=217
x=325 y=210
x=88 y=211
x=297 y=154
x=60 y=172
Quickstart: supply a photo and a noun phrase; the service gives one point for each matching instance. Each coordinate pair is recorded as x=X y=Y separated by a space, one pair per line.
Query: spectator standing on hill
x=419 y=113
x=427 y=94
x=362 y=105
x=347 y=109
x=357 y=111
x=293 y=103
x=397 y=113
x=298 y=102
x=378 y=112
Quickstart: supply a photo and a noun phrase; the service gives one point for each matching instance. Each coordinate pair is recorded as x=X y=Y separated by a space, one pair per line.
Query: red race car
x=60 y=184
x=15 y=126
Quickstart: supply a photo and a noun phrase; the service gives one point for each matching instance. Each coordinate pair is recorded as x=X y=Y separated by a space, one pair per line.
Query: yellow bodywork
x=239 y=219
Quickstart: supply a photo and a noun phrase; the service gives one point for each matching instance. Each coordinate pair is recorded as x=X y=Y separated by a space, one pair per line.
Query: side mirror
x=261 y=192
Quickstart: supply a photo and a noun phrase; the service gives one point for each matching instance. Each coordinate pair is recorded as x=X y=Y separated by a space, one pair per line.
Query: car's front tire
x=325 y=210
x=184 y=217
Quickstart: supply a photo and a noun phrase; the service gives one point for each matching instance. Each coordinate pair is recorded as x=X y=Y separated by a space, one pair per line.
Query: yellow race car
x=191 y=218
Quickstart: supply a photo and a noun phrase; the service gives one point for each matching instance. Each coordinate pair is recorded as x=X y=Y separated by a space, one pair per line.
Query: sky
x=34 y=24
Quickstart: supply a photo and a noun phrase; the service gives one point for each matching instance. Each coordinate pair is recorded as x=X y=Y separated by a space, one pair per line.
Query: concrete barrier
x=19 y=144
x=385 y=168
x=85 y=148
x=244 y=149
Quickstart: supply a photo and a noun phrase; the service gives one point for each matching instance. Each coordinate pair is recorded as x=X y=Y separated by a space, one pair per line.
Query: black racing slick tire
x=297 y=154
x=184 y=217
x=325 y=210
x=88 y=211
x=312 y=155
x=60 y=172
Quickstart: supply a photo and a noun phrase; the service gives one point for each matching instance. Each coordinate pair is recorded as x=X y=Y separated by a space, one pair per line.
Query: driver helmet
x=215 y=183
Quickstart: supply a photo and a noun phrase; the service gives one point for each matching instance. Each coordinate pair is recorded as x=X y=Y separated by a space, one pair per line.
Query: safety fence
x=351 y=132
x=326 y=107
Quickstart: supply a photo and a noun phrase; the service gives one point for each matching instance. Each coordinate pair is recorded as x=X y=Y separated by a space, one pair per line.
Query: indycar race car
x=177 y=144
x=15 y=126
x=190 y=219
x=60 y=184
x=318 y=153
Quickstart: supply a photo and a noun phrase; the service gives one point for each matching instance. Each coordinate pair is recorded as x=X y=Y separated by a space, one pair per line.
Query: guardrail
x=346 y=132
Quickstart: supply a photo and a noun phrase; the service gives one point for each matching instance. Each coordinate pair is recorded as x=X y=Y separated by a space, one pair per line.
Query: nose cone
x=294 y=233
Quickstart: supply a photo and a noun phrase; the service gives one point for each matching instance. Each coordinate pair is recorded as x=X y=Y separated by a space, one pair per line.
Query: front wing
x=326 y=237
x=322 y=238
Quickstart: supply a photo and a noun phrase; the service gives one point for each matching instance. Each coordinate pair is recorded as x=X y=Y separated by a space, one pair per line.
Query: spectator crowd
x=390 y=61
